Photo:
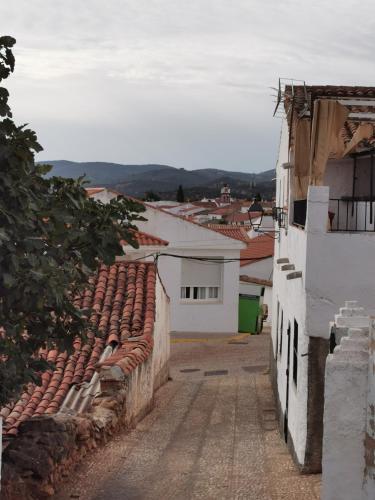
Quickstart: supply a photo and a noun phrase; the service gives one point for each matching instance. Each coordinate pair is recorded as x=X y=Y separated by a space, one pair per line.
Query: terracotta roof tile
x=145 y=239
x=235 y=232
x=91 y=191
x=123 y=296
x=258 y=248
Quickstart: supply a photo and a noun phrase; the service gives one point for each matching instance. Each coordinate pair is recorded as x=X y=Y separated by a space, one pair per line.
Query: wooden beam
x=282 y=260
x=293 y=276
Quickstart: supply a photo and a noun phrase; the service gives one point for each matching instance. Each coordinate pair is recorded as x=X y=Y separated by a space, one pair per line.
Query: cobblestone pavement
x=211 y=435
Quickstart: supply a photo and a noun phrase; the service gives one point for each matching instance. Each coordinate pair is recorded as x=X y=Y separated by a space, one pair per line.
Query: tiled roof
x=222 y=210
x=145 y=239
x=238 y=217
x=122 y=297
x=307 y=94
x=191 y=221
x=95 y=190
x=258 y=248
x=235 y=232
x=205 y=204
x=91 y=191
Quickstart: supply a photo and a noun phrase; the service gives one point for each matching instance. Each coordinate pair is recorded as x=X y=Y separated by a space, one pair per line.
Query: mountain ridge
x=136 y=180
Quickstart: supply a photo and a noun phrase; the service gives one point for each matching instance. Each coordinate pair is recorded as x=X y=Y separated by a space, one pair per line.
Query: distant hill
x=135 y=180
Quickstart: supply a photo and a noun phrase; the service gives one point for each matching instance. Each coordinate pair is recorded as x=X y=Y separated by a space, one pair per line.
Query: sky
x=186 y=83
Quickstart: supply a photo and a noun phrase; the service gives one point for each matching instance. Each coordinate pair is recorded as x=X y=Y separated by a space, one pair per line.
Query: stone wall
x=348 y=440
x=46 y=448
x=36 y=461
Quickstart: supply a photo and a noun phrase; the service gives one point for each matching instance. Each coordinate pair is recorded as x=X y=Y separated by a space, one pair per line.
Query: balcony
x=351 y=214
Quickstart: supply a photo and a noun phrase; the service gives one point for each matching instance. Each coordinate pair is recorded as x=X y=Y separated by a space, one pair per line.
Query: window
x=295 y=352
x=201 y=280
x=213 y=292
x=208 y=293
x=281 y=332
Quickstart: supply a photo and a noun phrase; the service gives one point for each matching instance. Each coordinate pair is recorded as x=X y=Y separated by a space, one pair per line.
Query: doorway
x=287 y=386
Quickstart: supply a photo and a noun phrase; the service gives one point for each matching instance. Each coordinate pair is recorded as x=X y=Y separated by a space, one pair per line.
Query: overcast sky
x=178 y=82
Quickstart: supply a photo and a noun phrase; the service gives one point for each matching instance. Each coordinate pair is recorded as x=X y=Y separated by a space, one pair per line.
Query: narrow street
x=211 y=435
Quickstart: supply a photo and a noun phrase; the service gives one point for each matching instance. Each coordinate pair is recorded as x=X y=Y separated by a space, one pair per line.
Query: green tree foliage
x=52 y=239
x=151 y=196
x=180 y=197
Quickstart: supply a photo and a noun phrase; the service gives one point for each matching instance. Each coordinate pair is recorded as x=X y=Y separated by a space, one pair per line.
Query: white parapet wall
x=346 y=476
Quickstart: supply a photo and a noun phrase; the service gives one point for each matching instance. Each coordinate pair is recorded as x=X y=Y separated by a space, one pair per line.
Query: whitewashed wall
x=161 y=350
x=188 y=239
x=261 y=269
x=291 y=295
x=267 y=299
x=348 y=450
x=334 y=266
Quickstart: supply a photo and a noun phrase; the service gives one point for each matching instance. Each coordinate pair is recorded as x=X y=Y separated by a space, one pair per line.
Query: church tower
x=225 y=194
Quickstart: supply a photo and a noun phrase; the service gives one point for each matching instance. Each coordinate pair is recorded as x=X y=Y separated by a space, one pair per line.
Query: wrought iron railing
x=279 y=216
x=352 y=215
x=299 y=212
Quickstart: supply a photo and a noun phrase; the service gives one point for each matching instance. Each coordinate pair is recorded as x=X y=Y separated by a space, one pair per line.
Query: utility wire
x=211 y=260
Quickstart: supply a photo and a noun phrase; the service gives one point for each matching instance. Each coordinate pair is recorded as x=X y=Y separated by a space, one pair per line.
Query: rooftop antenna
x=283 y=82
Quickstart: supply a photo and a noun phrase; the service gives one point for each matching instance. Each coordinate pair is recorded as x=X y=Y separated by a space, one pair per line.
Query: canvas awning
x=315 y=142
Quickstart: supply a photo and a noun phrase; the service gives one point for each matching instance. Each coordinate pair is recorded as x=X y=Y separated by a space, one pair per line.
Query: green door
x=248 y=313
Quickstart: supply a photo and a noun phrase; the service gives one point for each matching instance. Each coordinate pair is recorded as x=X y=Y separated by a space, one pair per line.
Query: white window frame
x=192 y=285
x=206 y=300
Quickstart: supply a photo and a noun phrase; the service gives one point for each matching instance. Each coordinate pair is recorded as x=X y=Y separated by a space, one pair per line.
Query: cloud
x=154 y=71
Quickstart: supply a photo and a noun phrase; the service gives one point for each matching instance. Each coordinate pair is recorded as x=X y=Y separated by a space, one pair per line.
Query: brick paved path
x=210 y=436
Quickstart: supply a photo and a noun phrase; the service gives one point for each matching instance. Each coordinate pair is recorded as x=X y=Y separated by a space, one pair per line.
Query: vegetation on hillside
x=136 y=180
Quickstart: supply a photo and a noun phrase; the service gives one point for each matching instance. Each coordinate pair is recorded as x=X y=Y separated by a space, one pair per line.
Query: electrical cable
x=210 y=260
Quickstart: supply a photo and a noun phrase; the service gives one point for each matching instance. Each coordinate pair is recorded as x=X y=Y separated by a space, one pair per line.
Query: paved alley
x=212 y=434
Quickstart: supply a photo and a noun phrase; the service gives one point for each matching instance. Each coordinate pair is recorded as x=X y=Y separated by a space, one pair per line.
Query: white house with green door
x=200 y=273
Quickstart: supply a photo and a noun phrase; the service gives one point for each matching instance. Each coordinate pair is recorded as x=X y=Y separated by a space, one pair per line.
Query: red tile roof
x=95 y=190
x=238 y=217
x=91 y=191
x=235 y=232
x=191 y=221
x=243 y=216
x=145 y=239
x=123 y=304
x=222 y=210
x=261 y=247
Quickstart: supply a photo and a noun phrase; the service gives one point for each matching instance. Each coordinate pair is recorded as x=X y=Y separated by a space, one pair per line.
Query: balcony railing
x=299 y=213
x=352 y=215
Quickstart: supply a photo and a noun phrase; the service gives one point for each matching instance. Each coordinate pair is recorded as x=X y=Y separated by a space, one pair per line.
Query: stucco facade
x=186 y=240
x=315 y=271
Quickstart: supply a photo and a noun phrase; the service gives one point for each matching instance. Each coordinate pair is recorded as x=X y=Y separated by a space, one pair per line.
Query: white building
x=103 y=194
x=325 y=251
x=204 y=294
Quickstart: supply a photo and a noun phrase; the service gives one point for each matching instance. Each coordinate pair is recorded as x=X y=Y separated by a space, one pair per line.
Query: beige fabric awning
x=364 y=131
x=314 y=143
x=302 y=158
x=329 y=117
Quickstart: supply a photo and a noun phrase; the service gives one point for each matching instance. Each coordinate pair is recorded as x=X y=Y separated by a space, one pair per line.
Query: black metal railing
x=351 y=214
x=299 y=212
x=279 y=216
